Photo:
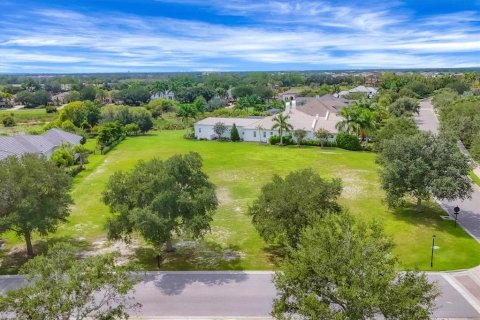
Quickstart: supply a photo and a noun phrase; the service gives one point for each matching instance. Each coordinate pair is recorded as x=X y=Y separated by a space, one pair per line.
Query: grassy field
x=239 y=170
x=26 y=119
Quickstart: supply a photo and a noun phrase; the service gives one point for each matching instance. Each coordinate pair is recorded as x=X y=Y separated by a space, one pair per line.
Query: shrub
x=63 y=157
x=51 y=109
x=132 y=129
x=74 y=170
x=8 y=121
x=348 y=142
x=276 y=140
x=234 y=136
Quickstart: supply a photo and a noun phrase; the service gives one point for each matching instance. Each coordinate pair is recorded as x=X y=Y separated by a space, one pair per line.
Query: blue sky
x=236 y=35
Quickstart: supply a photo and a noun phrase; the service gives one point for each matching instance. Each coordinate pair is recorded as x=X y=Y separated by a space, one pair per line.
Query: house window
x=264 y=134
x=271 y=133
x=254 y=134
x=199 y=130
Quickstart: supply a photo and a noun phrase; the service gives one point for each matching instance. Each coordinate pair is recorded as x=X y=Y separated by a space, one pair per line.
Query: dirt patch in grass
x=223 y=195
x=126 y=251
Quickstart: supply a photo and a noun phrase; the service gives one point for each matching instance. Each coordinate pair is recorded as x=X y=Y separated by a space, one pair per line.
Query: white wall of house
x=246 y=134
x=203 y=131
x=255 y=135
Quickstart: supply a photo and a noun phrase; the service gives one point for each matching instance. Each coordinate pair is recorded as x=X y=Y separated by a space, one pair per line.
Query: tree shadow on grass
x=192 y=255
x=11 y=261
x=275 y=254
x=429 y=216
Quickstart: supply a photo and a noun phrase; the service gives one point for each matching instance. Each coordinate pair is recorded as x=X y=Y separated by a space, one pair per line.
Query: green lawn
x=239 y=170
x=474 y=177
x=26 y=119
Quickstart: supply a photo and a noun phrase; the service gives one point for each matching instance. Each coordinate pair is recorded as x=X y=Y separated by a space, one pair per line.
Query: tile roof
x=239 y=122
x=321 y=105
x=301 y=120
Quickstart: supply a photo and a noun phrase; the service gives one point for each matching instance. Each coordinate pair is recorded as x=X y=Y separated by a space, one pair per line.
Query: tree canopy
x=344 y=269
x=35 y=196
x=422 y=166
x=61 y=287
x=159 y=198
x=288 y=205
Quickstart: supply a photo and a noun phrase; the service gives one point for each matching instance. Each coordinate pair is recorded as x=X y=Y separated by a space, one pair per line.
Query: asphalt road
x=426 y=118
x=235 y=295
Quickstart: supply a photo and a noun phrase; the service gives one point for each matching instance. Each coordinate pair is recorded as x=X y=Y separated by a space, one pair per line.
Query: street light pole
x=433 y=248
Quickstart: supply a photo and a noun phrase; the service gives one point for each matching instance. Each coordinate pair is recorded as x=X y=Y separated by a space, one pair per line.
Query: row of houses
x=309 y=114
x=42 y=145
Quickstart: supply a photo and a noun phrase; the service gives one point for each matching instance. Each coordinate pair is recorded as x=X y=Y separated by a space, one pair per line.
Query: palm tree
x=186 y=111
x=349 y=123
x=259 y=128
x=357 y=120
x=281 y=123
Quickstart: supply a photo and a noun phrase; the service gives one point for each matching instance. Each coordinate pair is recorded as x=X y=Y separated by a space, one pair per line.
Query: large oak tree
x=423 y=166
x=58 y=286
x=34 y=196
x=343 y=268
x=161 y=198
x=286 y=206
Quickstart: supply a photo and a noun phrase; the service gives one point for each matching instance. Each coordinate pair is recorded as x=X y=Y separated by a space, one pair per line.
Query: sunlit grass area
x=239 y=170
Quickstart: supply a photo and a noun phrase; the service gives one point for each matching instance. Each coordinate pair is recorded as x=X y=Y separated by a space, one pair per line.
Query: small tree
x=63 y=157
x=35 y=196
x=288 y=205
x=219 y=128
x=200 y=104
x=61 y=287
x=82 y=154
x=186 y=111
x=143 y=119
x=234 y=135
x=322 y=136
x=422 y=166
x=404 y=107
x=300 y=135
x=345 y=269
x=132 y=129
x=281 y=123
x=160 y=198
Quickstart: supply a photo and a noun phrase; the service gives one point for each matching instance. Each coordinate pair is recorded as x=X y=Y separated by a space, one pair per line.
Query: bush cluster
x=348 y=142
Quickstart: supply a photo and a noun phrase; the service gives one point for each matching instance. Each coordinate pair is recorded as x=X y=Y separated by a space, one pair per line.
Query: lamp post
x=433 y=248
x=456 y=211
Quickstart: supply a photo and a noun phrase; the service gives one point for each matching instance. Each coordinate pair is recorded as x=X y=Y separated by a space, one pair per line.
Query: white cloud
x=311 y=33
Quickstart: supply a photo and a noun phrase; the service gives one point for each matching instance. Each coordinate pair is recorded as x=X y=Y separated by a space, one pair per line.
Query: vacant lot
x=26 y=119
x=239 y=170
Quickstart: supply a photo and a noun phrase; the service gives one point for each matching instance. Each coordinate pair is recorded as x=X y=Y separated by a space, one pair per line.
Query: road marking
x=464 y=292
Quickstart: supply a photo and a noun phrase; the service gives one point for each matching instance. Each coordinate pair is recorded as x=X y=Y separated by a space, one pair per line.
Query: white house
x=310 y=114
x=369 y=91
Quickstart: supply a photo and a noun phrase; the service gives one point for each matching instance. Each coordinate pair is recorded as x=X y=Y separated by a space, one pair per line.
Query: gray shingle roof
x=38 y=144
x=59 y=137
